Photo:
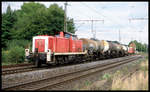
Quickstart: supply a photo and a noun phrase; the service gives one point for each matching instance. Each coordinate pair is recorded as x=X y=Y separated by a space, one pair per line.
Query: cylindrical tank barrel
x=88 y=44
x=113 y=46
x=108 y=45
x=124 y=48
x=104 y=45
x=119 y=47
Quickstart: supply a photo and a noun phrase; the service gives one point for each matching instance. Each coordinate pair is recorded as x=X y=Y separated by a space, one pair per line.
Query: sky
x=115 y=16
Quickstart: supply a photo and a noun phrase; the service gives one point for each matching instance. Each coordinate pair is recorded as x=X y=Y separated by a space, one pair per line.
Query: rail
x=58 y=80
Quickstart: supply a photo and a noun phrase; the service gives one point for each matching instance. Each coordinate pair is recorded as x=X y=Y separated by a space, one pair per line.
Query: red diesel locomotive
x=132 y=48
x=54 y=49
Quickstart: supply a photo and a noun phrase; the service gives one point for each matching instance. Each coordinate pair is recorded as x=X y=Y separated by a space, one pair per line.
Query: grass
x=143 y=53
x=8 y=63
x=114 y=80
x=138 y=81
x=106 y=76
x=87 y=83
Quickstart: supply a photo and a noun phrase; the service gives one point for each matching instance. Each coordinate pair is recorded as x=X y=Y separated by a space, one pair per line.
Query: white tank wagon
x=105 y=48
x=125 y=49
x=111 y=49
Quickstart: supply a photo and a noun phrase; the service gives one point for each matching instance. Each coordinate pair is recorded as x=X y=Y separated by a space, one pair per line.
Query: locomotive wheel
x=62 y=62
x=37 y=62
x=66 y=60
x=36 y=57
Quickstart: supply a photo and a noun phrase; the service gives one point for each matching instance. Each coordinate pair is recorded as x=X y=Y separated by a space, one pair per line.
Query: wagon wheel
x=90 y=51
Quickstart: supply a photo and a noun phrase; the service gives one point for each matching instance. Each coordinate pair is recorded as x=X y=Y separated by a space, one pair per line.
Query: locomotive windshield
x=67 y=35
x=57 y=35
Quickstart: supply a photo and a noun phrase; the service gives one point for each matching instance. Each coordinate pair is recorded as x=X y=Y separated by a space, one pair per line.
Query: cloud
x=13 y=5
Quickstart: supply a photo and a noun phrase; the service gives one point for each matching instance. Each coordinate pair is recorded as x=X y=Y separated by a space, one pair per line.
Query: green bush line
x=14 y=53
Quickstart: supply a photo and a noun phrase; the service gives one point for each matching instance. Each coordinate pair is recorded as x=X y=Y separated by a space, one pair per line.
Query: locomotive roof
x=70 y=33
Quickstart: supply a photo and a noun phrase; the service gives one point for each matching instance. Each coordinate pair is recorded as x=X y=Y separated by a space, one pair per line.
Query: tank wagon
x=112 y=49
x=65 y=47
x=125 y=49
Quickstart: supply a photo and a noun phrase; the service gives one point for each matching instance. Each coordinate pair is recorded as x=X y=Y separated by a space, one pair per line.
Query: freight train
x=65 y=47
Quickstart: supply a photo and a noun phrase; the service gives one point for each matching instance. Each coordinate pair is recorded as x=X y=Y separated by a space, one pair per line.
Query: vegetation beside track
x=137 y=81
x=121 y=79
x=15 y=52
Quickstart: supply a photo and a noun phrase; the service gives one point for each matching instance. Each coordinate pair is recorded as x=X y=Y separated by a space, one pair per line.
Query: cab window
x=74 y=38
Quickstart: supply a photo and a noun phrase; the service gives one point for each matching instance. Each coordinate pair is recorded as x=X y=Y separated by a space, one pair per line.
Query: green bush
x=13 y=55
x=4 y=55
x=106 y=76
x=15 y=51
x=16 y=54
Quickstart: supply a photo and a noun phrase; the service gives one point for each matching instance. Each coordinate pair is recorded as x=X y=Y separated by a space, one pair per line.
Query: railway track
x=16 y=65
x=60 y=79
x=17 y=69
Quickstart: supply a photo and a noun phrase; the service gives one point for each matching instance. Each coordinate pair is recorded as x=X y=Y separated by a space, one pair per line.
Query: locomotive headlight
x=27 y=52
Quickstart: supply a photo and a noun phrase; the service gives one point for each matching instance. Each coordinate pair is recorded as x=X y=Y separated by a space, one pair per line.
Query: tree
x=140 y=46
x=29 y=23
x=8 y=20
x=70 y=26
x=36 y=19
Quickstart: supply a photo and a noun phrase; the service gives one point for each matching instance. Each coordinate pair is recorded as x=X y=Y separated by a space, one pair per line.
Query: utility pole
x=65 y=16
x=130 y=19
x=94 y=33
x=119 y=36
x=92 y=28
x=140 y=40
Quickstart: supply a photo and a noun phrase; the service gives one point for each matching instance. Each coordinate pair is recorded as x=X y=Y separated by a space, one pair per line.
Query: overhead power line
x=80 y=12
x=93 y=9
x=94 y=33
x=130 y=19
